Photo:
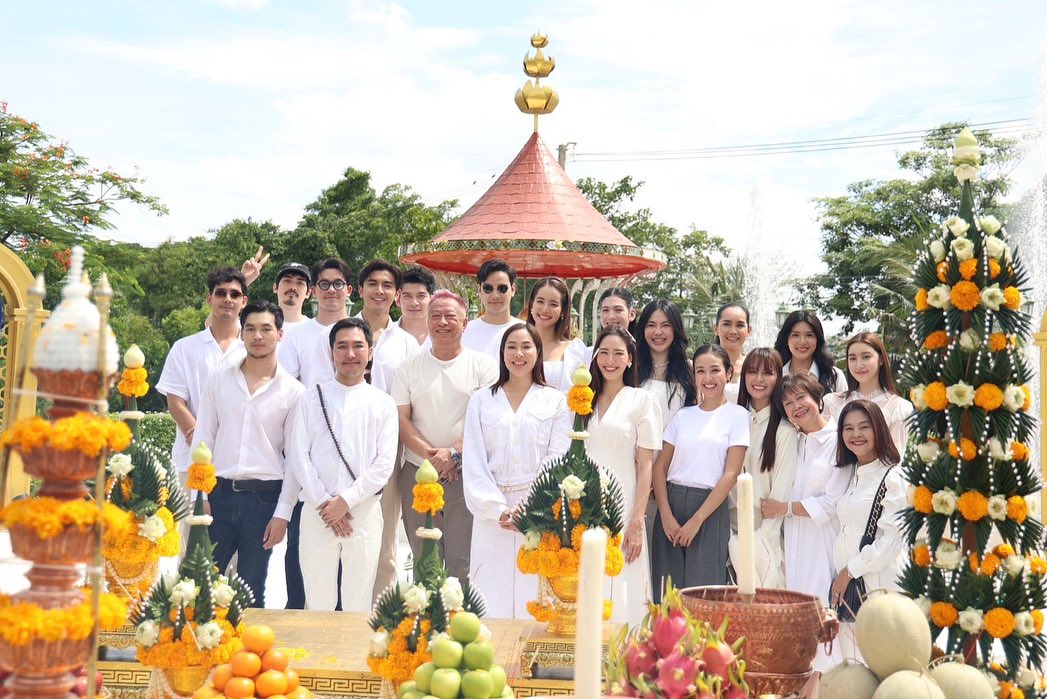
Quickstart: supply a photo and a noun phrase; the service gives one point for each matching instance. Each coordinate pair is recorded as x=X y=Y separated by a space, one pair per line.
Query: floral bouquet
x=406 y=620
x=192 y=620
x=970 y=471
x=569 y=496
x=673 y=655
x=145 y=489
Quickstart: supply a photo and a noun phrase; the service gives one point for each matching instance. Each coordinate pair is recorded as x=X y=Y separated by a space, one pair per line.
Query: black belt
x=250 y=485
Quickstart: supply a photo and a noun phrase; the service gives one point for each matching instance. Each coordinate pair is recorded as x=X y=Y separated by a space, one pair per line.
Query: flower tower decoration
x=192 y=621
x=145 y=488
x=407 y=619
x=569 y=496
x=672 y=655
x=970 y=471
x=51 y=628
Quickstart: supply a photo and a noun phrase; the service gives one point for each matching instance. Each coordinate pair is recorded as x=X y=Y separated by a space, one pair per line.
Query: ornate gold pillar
x=1040 y=340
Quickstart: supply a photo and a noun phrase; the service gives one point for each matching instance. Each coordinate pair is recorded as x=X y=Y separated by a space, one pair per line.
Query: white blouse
x=818 y=485
x=503 y=450
x=895 y=410
x=668 y=405
x=776 y=483
x=879 y=562
x=841 y=379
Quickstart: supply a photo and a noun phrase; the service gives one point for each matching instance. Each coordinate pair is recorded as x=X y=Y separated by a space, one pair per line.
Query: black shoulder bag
x=854 y=595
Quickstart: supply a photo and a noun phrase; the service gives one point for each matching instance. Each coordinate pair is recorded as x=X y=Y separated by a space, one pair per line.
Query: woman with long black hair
x=662 y=366
x=801 y=343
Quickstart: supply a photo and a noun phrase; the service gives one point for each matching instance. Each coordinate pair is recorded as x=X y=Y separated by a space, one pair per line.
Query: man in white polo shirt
x=245 y=417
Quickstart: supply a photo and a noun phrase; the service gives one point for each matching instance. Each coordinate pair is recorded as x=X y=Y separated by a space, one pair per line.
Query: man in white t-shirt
x=417 y=289
x=431 y=392
x=496 y=286
x=292 y=289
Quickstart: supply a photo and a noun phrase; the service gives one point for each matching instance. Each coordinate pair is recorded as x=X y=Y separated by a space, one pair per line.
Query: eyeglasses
x=489 y=288
x=228 y=293
x=325 y=285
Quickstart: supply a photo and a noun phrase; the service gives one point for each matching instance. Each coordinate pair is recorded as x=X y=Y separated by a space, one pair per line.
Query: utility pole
x=561 y=154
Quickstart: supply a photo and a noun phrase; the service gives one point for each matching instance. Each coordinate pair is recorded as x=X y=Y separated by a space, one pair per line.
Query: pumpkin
x=848 y=680
x=908 y=684
x=959 y=681
x=892 y=634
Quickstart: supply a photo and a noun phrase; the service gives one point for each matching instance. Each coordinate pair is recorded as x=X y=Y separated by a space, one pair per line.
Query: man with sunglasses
x=192 y=359
x=496 y=286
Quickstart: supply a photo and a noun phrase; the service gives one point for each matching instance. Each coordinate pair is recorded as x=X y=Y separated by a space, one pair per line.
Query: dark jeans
x=238 y=526
x=292 y=564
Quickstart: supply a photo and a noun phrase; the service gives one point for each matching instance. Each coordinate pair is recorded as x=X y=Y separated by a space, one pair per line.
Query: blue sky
x=237 y=108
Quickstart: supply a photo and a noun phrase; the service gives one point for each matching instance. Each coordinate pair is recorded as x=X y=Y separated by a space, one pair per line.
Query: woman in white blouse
x=549 y=312
x=509 y=432
x=662 y=366
x=869 y=378
x=771 y=461
x=731 y=329
x=867 y=454
x=801 y=342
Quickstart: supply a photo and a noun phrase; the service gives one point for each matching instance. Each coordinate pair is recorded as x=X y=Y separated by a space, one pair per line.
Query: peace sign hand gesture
x=252 y=266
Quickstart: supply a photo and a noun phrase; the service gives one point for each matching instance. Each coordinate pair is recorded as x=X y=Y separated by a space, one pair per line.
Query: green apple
x=422 y=675
x=406 y=687
x=465 y=627
x=446 y=653
x=508 y=693
x=477 y=684
x=446 y=683
x=479 y=655
x=412 y=695
x=499 y=679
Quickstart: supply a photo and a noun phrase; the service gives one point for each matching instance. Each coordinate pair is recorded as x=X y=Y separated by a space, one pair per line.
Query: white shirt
x=424 y=345
x=881 y=561
x=895 y=410
x=188 y=364
x=700 y=439
x=503 y=450
x=393 y=347
x=305 y=352
x=841 y=380
x=818 y=484
x=438 y=392
x=247 y=432
x=365 y=422
x=668 y=397
x=485 y=337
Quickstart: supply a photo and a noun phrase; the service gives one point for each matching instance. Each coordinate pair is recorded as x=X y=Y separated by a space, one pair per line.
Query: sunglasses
x=325 y=285
x=489 y=288
x=228 y=293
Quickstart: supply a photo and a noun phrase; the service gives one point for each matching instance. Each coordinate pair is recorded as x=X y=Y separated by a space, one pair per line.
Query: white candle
x=589 y=627
x=746 y=559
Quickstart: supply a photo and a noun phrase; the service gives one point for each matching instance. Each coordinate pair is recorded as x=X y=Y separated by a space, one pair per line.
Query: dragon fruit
x=668 y=630
x=676 y=675
x=640 y=659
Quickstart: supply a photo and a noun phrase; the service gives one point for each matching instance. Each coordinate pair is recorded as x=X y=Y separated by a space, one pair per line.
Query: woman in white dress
x=869 y=378
x=801 y=342
x=624 y=432
x=703 y=451
x=510 y=431
x=811 y=524
x=771 y=461
x=867 y=453
x=549 y=312
x=731 y=329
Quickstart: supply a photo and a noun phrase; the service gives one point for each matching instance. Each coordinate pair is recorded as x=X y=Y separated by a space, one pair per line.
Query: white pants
x=320 y=552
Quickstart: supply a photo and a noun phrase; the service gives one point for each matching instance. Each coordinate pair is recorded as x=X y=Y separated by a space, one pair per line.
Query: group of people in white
x=318 y=426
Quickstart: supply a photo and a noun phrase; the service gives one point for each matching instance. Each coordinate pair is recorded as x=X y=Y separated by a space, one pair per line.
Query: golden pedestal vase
x=564 y=589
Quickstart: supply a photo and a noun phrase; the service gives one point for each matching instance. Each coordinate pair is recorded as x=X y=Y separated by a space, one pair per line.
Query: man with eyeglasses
x=305 y=353
x=496 y=286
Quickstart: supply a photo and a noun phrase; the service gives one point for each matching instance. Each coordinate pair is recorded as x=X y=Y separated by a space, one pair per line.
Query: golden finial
x=535 y=98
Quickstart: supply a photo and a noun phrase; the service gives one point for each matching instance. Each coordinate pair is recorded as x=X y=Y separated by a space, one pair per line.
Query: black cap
x=294 y=268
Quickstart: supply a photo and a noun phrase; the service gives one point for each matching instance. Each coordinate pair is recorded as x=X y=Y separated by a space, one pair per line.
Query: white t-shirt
x=438 y=392
x=484 y=337
x=393 y=347
x=305 y=353
x=700 y=439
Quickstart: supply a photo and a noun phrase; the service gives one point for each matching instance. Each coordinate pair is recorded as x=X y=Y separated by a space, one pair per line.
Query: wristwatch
x=456 y=457
x=789 y=509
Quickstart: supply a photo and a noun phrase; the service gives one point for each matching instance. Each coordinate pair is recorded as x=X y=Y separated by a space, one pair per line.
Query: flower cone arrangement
x=970 y=471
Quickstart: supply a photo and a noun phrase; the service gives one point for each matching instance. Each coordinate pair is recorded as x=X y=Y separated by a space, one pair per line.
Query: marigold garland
x=922 y=500
x=576 y=537
x=133 y=383
x=935 y=397
x=86 y=432
x=968 y=268
x=921 y=555
x=965 y=295
x=999 y=622
x=399 y=662
x=988 y=397
x=1012 y=298
x=1017 y=508
x=944 y=615
x=168 y=653
x=542 y=612
x=921 y=300
x=21 y=623
x=614 y=561
x=580 y=400
x=47 y=517
x=428 y=497
x=936 y=340
x=967 y=449
x=973 y=505
x=201 y=477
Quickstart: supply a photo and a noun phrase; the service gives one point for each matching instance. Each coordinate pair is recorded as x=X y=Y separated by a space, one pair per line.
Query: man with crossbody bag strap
x=343 y=448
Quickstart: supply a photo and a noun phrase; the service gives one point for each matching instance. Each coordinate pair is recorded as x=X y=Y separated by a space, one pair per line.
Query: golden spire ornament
x=533 y=97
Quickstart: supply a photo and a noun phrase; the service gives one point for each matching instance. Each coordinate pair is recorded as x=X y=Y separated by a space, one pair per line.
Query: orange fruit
x=270 y=682
x=221 y=675
x=246 y=664
x=278 y=696
x=299 y=693
x=258 y=638
x=275 y=659
x=205 y=692
x=292 y=679
x=239 y=688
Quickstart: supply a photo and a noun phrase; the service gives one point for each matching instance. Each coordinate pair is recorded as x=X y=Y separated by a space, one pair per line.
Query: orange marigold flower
x=1017 y=508
x=988 y=397
x=580 y=399
x=557 y=508
x=1037 y=566
x=999 y=622
x=527 y=561
x=548 y=564
x=968 y=268
x=1004 y=550
x=921 y=555
x=944 y=615
x=1037 y=620
x=576 y=537
x=922 y=500
x=966 y=448
x=965 y=295
x=935 y=397
x=973 y=505
x=1028 y=397
x=921 y=300
x=133 y=383
x=201 y=477
x=989 y=565
x=428 y=497
x=1012 y=298
x=608 y=607
x=575 y=508
x=568 y=561
x=549 y=542
x=615 y=561
x=936 y=340
x=994 y=269
x=997 y=342
x=942 y=269
x=1019 y=451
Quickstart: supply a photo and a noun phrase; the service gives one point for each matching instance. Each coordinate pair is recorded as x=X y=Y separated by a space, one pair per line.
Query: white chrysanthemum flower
x=938 y=251
x=963 y=248
x=427 y=533
x=1014 y=565
x=452 y=594
x=928 y=452
x=147 y=633
x=573 y=487
x=961 y=394
x=916 y=396
x=947 y=555
x=152 y=528
x=184 y=592
x=971 y=620
x=120 y=465
x=957 y=226
x=996 y=248
x=940 y=297
x=990 y=225
x=1013 y=398
x=379 y=644
x=969 y=340
x=992 y=297
x=416 y=599
x=209 y=635
x=531 y=539
x=998 y=508
x=910 y=494
x=1024 y=624
x=965 y=173
x=998 y=451
x=944 y=502
x=1026 y=676
x=223 y=594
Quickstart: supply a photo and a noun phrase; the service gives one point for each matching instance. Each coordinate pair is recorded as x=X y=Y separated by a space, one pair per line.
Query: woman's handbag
x=854 y=595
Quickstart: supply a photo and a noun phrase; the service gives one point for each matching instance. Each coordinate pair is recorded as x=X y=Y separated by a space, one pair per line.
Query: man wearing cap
x=292 y=289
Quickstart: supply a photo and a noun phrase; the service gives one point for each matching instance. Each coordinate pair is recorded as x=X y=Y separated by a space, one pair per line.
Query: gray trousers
x=704 y=562
x=455 y=521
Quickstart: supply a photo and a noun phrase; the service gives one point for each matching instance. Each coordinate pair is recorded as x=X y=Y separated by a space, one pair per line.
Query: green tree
x=133 y=328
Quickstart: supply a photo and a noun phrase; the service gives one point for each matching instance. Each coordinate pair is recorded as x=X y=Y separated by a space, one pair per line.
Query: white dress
x=667 y=406
x=895 y=410
x=631 y=421
x=502 y=452
x=818 y=485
